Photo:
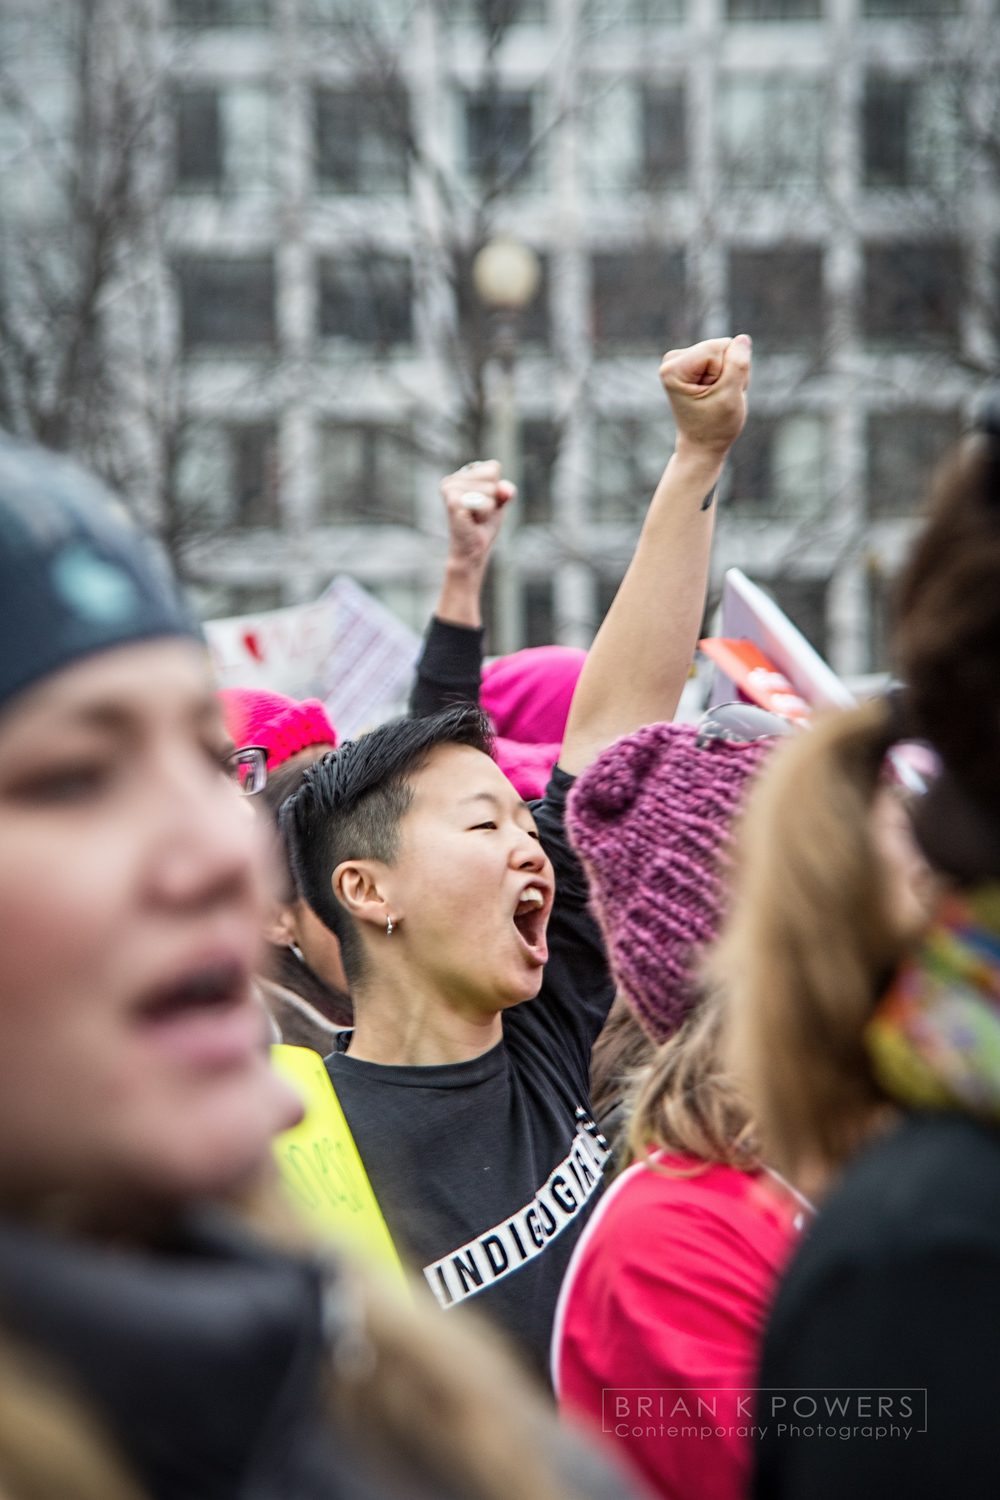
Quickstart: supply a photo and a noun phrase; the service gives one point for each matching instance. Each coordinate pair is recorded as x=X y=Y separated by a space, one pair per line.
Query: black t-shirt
x=886 y=1330
x=487 y=1170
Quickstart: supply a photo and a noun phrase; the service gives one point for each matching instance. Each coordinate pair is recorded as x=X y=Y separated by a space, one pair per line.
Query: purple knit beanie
x=652 y=820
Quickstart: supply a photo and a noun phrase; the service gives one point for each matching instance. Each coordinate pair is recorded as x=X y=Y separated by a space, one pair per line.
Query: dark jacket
x=203 y=1361
x=892 y=1306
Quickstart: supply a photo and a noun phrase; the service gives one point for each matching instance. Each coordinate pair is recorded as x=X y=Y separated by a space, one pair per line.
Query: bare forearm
x=461 y=592
x=638 y=664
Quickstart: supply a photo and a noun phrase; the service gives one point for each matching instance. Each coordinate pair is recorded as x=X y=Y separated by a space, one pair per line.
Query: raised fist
x=706 y=386
x=475 y=498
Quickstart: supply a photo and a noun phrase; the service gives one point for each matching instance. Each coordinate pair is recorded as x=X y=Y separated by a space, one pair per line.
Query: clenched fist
x=706 y=386
x=475 y=498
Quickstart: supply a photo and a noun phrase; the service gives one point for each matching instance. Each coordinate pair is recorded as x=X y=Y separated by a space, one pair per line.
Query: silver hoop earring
x=294 y=948
x=388 y=927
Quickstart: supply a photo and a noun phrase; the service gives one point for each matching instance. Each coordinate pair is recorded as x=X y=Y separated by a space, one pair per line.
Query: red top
x=661 y=1315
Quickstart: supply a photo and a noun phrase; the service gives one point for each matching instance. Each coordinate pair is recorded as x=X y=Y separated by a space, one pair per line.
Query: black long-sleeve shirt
x=448 y=671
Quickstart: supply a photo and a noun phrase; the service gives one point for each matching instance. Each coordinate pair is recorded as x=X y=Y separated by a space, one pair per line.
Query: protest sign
x=322 y=1172
x=280 y=650
x=373 y=659
x=345 y=648
x=748 y=614
x=746 y=666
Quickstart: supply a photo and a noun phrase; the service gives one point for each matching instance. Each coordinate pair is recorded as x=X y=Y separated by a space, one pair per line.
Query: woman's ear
x=354 y=886
x=281 y=928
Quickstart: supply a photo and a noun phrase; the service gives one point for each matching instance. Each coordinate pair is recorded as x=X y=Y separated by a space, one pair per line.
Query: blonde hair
x=52 y=1447
x=810 y=943
x=689 y=1102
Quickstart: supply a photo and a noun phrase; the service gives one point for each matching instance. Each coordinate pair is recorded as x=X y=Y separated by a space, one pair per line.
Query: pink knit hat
x=652 y=819
x=282 y=725
x=528 y=695
x=526 y=767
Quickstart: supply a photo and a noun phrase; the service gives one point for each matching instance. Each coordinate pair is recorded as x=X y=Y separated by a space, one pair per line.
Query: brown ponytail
x=810 y=942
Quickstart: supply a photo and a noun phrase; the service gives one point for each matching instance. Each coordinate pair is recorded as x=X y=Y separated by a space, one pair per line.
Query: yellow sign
x=322 y=1171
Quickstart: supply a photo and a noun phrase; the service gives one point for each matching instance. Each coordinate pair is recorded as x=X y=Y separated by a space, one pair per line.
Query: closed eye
x=489 y=824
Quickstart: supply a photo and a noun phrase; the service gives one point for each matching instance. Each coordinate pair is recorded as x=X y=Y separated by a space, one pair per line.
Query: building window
x=253 y=598
x=368 y=299
x=361 y=141
x=539 y=451
x=777 y=467
x=601 y=13
x=888 y=105
x=774 y=10
x=881 y=617
x=776 y=296
x=198 y=141
x=254 y=468
x=804 y=602
x=919 y=9
x=913 y=294
x=630 y=454
x=226 y=302
x=607 y=588
x=368 y=475
x=911 y=136
x=202 y=13
x=903 y=449
x=638 y=299
x=771 y=131
x=228 y=476
x=539 y=612
x=498 y=137
x=493 y=16
x=664 y=137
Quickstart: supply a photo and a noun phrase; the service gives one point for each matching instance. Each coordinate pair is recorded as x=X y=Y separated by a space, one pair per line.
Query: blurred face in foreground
x=132 y=1056
x=472 y=888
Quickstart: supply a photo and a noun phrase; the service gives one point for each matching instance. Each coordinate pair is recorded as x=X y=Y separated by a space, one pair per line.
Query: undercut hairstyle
x=351 y=803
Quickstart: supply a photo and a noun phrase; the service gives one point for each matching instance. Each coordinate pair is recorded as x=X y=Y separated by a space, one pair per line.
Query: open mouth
x=205 y=1017
x=210 y=989
x=531 y=918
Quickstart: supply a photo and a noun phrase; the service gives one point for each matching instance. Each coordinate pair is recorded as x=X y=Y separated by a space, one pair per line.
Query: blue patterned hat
x=77 y=574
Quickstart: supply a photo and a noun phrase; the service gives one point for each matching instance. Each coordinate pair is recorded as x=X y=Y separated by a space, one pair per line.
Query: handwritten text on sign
x=322 y=1172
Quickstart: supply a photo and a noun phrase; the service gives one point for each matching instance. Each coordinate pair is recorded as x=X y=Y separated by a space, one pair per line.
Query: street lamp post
x=506 y=274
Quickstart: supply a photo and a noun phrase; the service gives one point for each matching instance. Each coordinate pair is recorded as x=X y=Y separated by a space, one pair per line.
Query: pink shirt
x=661 y=1315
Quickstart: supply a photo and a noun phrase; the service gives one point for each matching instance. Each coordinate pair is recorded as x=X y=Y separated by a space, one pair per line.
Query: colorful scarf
x=934 y=1039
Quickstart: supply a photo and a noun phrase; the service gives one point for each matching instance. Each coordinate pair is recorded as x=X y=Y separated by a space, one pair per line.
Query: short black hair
x=351 y=802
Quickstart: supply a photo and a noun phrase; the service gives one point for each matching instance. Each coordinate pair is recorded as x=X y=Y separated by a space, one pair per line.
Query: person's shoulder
x=553 y=803
x=931 y=1184
x=676 y=1197
x=933 y=1177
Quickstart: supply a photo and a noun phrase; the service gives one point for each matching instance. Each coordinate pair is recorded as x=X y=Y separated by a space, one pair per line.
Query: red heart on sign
x=252 y=644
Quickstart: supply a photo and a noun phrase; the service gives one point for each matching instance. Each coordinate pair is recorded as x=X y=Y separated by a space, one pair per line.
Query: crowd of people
x=671 y=1052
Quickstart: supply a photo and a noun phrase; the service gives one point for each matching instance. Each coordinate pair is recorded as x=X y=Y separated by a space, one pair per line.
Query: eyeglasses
x=248 y=768
x=740 y=724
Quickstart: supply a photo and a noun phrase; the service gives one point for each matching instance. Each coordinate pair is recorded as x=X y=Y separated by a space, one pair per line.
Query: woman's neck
x=410 y=1025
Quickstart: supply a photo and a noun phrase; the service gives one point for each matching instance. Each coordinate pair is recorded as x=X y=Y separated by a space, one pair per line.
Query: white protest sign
x=345 y=648
x=281 y=650
x=373 y=660
x=751 y=615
